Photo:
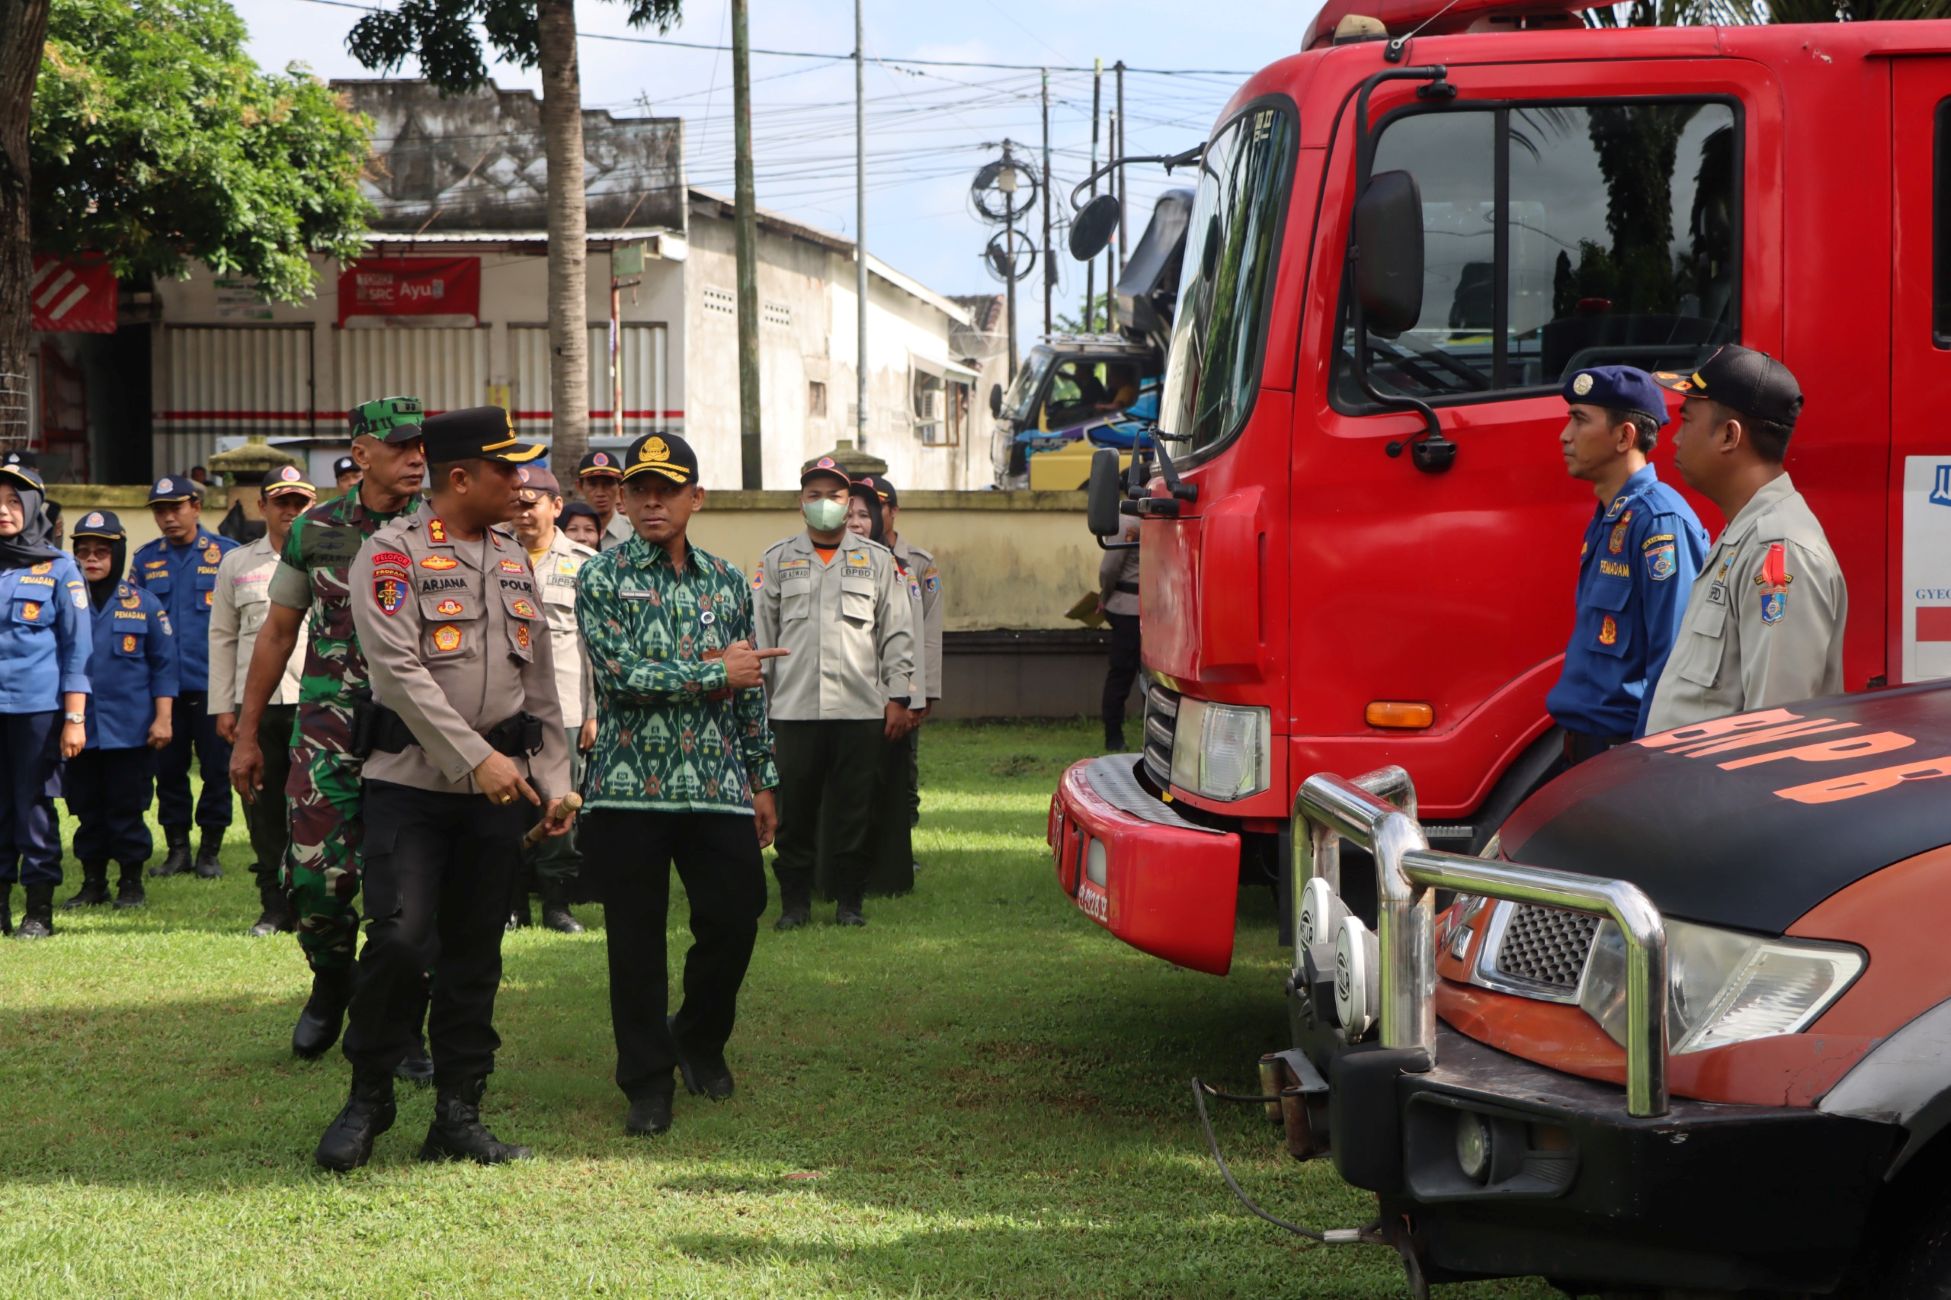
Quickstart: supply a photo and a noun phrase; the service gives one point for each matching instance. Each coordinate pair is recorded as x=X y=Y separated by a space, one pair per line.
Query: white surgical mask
x=824 y=515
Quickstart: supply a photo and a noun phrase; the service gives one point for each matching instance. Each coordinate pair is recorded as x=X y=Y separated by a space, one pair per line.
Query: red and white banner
x=76 y=295
x=411 y=286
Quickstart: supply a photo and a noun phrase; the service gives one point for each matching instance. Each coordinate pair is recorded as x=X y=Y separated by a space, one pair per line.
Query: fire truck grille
x=1545 y=947
x=1161 y=719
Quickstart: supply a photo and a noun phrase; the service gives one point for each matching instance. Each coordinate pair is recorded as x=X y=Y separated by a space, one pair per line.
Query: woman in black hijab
x=45 y=641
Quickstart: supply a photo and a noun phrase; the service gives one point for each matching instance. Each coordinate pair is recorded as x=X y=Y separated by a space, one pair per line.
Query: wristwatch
x=77 y=718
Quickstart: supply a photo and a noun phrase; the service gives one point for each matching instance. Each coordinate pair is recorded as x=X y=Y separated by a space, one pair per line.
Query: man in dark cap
x=466 y=728
x=600 y=481
x=1765 y=623
x=1642 y=549
x=321 y=866
x=671 y=630
x=180 y=570
x=346 y=474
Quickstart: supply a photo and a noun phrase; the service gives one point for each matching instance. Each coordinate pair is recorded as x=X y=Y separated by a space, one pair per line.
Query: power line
x=669 y=43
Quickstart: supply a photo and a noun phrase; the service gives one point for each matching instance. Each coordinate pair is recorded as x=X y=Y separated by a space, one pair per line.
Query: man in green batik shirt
x=322 y=865
x=682 y=771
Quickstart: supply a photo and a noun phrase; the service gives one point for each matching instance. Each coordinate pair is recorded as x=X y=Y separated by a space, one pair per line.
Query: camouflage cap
x=390 y=419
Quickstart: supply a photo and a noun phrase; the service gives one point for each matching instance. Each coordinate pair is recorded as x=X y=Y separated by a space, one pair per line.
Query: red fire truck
x=1360 y=556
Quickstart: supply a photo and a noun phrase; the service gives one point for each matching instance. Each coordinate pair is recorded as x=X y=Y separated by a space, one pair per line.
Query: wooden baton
x=571 y=802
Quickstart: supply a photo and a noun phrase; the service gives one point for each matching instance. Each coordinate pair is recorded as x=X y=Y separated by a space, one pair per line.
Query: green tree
x=22 y=26
x=445 y=36
x=157 y=142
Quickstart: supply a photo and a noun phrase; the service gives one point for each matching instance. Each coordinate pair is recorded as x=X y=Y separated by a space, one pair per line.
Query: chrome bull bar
x=1377 y=813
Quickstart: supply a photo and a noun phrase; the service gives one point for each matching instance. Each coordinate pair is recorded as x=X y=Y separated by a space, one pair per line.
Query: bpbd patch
x=1772 y=583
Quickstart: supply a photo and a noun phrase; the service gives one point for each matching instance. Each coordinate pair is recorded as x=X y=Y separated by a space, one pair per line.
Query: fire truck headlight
x=1221 y=751
x=1723 y=986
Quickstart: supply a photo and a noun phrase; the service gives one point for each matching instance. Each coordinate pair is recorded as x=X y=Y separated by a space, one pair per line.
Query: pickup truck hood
x=1750 y=821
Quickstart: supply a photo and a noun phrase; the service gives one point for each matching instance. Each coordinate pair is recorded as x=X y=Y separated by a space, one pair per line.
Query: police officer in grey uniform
x=600 y=480
x=924 y=578
x=1764 y=624
x=838 y=604
x=465 y=738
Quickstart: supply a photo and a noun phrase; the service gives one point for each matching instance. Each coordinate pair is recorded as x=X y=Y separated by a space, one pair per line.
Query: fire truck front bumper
x=1490 y=1166
x=1163 y=884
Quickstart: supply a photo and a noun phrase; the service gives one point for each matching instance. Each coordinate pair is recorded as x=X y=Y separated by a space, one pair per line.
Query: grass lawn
x=979 y=1094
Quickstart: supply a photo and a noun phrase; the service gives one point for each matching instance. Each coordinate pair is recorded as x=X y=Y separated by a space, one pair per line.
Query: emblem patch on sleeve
x=758 y=578
x=932 y=580
x=1662 y=561
x=1772 y=583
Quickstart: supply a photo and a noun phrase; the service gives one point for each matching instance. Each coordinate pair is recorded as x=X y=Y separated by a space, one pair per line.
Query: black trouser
x=827 y=793
x=630 y=856
x=892 y=870
x=194 y=729
x=269 y=817
x=435 y=881
x=1120 y=675
x=30 y=834
x=108 y=791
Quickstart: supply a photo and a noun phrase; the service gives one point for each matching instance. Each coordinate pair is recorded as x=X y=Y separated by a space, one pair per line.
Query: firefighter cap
x=102 y=524
x=1617 y=388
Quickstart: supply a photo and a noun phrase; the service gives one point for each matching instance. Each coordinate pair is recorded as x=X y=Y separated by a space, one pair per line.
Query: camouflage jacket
x=670 y=735
x=312 y=575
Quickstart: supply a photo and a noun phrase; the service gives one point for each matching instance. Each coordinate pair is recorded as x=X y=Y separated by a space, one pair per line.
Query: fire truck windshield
x=1230 y=259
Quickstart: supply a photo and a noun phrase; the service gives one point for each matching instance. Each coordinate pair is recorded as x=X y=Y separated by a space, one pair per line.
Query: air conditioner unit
x=928 y=406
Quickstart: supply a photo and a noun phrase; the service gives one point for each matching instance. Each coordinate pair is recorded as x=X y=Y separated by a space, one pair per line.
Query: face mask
x=824 y=515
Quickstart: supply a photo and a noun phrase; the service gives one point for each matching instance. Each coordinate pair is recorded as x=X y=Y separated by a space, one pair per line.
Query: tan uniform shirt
x=1764 y=625
x=849 y=624
x=455 y=643
x=1118 y=568
x=616 y=532
x=925 y=579
x=556 y=573
x=237 y=612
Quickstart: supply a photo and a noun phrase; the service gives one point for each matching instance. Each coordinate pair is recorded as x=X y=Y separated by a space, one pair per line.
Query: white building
x=449 y=304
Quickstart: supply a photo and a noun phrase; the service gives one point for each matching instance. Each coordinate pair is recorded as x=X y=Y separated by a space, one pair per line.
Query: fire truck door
x=1920 y=366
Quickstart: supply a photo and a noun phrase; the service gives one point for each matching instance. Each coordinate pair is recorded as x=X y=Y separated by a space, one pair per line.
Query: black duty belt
x=378 y=729
x=1128 y=588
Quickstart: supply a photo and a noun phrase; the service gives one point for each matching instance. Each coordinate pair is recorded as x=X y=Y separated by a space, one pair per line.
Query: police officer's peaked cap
x=344 y=465
x=1753 y=383
x=536 y=479
x=172 y=488
x=600 y=463
x=663 y=454
x=390 y=419
x=102 y=524
x=477 y=433
x=286 y=478
x=1618 y=388
x=882 y=489
x=824 y=467
x=25 y=475
x=27 y=458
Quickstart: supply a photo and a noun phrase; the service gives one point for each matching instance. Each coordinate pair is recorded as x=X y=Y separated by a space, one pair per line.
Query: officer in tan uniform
x=465 y=735
x=1764 y=623
x=838 y=604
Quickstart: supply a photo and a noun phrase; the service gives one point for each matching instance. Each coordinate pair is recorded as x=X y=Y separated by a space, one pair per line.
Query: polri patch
x=447 y=638
x=522 y=609
x=448 y=608
x=440 y=563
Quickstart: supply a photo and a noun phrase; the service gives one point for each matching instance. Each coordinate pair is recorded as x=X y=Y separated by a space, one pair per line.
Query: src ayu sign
x=411 y=286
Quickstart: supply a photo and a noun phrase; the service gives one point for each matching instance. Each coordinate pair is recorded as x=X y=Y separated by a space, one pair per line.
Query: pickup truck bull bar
x=1377 y=813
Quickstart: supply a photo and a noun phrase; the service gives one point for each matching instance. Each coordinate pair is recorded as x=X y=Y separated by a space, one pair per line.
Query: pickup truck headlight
x=1220 y=751
x=1723 y=986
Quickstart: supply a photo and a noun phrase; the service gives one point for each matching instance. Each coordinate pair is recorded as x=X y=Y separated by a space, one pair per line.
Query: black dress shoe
x=38 y=922
x=206 y=855
x=849 y=914
x=324 y=1013
x=794 y=916
x=458 y=1134
x=94 y=886
x=557 y=917
x=705 y=1076
x=368 y=1112
x=649 y=1115
x=416 y=1066
x=129 y=892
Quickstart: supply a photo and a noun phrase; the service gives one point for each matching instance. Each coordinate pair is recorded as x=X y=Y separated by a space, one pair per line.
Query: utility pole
x=1008 y=180
x=1049 y=201
x=1090 y=268
x=746 y=219
x=860 y=228
x=1124 y=194
x=1113 y=184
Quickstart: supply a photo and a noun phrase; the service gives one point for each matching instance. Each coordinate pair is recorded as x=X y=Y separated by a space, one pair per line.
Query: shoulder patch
x=1772 y=583
x=758 y=577
x=1662 y=560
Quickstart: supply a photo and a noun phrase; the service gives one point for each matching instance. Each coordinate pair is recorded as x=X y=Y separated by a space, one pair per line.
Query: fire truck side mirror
x=1389 y=253
x=996 y=401
x=1091 y=229
x=1104 y=494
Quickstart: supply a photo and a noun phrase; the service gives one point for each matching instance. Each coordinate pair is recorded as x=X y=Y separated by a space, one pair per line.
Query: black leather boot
x=94 y=886
x=206 y=853
x=38 y=920
x=6 y=907
x=276 y=908
x=177 y=859
x=368 y=1112
x=457 y=1132
x=555 y=910
x=793 y=913
x=416 y=1066
x=849 y=913
x=649 y=1114
x=129 y=892
x=324 y=1014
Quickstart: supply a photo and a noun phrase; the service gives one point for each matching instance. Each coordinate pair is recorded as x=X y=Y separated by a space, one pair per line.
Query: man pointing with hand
x=682 y=772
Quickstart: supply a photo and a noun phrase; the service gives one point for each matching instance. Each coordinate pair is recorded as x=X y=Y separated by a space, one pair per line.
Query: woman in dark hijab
x=45 y=641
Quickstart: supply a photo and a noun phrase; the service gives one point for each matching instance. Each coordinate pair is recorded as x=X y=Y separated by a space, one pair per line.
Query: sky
x=929 y=129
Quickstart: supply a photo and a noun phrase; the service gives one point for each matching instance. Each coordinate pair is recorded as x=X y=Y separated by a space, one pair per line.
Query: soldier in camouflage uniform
x=322 y=869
